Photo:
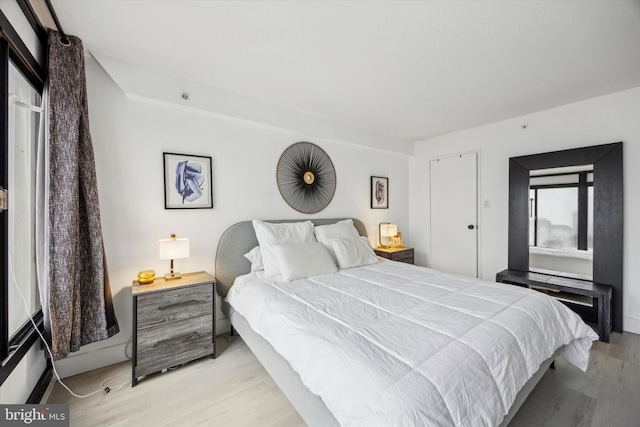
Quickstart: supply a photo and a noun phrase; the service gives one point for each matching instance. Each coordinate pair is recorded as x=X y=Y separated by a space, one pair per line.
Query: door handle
x=471 y=227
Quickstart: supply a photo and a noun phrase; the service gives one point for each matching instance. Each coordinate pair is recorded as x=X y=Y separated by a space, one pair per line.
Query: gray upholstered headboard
x=239 y=239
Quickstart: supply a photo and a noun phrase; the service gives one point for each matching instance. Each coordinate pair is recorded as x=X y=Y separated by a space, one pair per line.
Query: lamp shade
x=388 y=230
x=173 y=248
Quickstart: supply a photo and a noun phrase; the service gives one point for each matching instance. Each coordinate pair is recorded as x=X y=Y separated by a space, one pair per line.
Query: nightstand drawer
x=156 y=365
x=404 y=256
x=163 y=307
x=396 y=254
x=191 y=337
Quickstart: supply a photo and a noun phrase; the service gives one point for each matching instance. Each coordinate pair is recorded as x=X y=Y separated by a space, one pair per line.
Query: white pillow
x=353 y=252
x=270 y=234
x=303 y=260
x=255 y=257
x=340 y=230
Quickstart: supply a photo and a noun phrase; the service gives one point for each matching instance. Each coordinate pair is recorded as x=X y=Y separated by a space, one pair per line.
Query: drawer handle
x=189 y=337
x=178 y=304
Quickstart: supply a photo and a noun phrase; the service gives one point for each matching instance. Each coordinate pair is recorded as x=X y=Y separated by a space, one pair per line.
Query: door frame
x=479 y=228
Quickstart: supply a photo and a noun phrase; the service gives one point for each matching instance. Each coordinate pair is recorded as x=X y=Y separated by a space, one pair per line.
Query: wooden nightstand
x=173 y=322
x=396 y=254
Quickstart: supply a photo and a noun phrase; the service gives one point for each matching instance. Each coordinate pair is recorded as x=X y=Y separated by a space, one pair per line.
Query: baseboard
x=631 y=324
x=79 y=363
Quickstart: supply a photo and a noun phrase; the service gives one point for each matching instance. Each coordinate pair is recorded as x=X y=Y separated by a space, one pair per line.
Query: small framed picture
x=379 y=192
x=187 y=181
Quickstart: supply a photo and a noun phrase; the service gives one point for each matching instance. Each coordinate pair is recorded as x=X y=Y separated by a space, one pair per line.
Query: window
x=561 y=222
x=558 y=217
x=21 y=83
x=23 y=129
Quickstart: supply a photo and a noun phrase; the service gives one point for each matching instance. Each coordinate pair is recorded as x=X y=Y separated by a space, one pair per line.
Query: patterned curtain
x=72 y=266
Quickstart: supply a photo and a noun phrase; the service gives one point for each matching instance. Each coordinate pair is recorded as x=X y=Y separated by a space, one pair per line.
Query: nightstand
x=396 y=254
x=173 y=322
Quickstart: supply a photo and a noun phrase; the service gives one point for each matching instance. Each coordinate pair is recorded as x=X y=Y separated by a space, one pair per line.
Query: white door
x=454 y=214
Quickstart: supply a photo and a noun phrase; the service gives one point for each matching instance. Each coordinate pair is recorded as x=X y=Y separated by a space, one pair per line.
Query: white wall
x=129 y=137
x=606 y=119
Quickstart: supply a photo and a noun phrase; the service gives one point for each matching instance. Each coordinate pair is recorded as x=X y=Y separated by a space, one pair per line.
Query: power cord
x=227 y=337
x=127 y=345
x=103 y=388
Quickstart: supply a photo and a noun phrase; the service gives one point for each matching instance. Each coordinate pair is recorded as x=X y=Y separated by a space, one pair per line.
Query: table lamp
x=388 y=230
x=173 y=248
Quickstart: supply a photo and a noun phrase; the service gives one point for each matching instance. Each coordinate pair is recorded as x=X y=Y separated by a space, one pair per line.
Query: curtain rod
x=64 y=40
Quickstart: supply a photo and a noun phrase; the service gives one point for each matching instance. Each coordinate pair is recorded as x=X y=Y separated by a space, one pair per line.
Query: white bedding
x=391 y=344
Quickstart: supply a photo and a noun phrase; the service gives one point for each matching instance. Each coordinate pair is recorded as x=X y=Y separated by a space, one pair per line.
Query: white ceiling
x=409 y=70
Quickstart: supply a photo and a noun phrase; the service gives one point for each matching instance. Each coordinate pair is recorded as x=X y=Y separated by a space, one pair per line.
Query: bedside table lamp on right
x=395 y=251
x=387 y=230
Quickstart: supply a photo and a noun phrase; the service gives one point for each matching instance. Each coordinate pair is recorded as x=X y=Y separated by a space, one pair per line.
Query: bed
x=453 y=399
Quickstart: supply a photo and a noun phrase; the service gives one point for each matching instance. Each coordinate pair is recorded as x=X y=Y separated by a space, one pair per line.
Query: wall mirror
x=599 y=173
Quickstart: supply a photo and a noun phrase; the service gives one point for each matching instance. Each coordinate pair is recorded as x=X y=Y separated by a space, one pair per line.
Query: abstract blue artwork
x=187 y=181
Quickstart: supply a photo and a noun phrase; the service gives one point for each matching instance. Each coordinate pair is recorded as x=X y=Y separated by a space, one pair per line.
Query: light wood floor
x=234 y=390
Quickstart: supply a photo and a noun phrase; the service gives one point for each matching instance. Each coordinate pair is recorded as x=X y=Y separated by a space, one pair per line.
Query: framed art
x=379 y=192
x=187 y=181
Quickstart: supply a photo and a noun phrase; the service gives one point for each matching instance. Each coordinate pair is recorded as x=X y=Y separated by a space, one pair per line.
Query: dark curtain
x=80 y=305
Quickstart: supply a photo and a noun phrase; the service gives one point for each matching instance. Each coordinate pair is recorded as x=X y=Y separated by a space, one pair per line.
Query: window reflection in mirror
x=561 y=221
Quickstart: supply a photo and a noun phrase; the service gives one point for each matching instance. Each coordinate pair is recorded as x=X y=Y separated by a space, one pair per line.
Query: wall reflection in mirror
x=561 y=221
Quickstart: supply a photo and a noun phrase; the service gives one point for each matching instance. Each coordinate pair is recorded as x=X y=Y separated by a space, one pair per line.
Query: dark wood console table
x=561 y=286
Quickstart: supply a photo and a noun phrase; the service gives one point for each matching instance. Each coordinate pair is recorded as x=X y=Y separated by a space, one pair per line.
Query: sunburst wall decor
x=306 y=177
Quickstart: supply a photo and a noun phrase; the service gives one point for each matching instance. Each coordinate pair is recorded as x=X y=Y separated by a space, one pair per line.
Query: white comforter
x=392 y=344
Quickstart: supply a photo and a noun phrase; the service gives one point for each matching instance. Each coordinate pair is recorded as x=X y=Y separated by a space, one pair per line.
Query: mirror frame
x=607 y=219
